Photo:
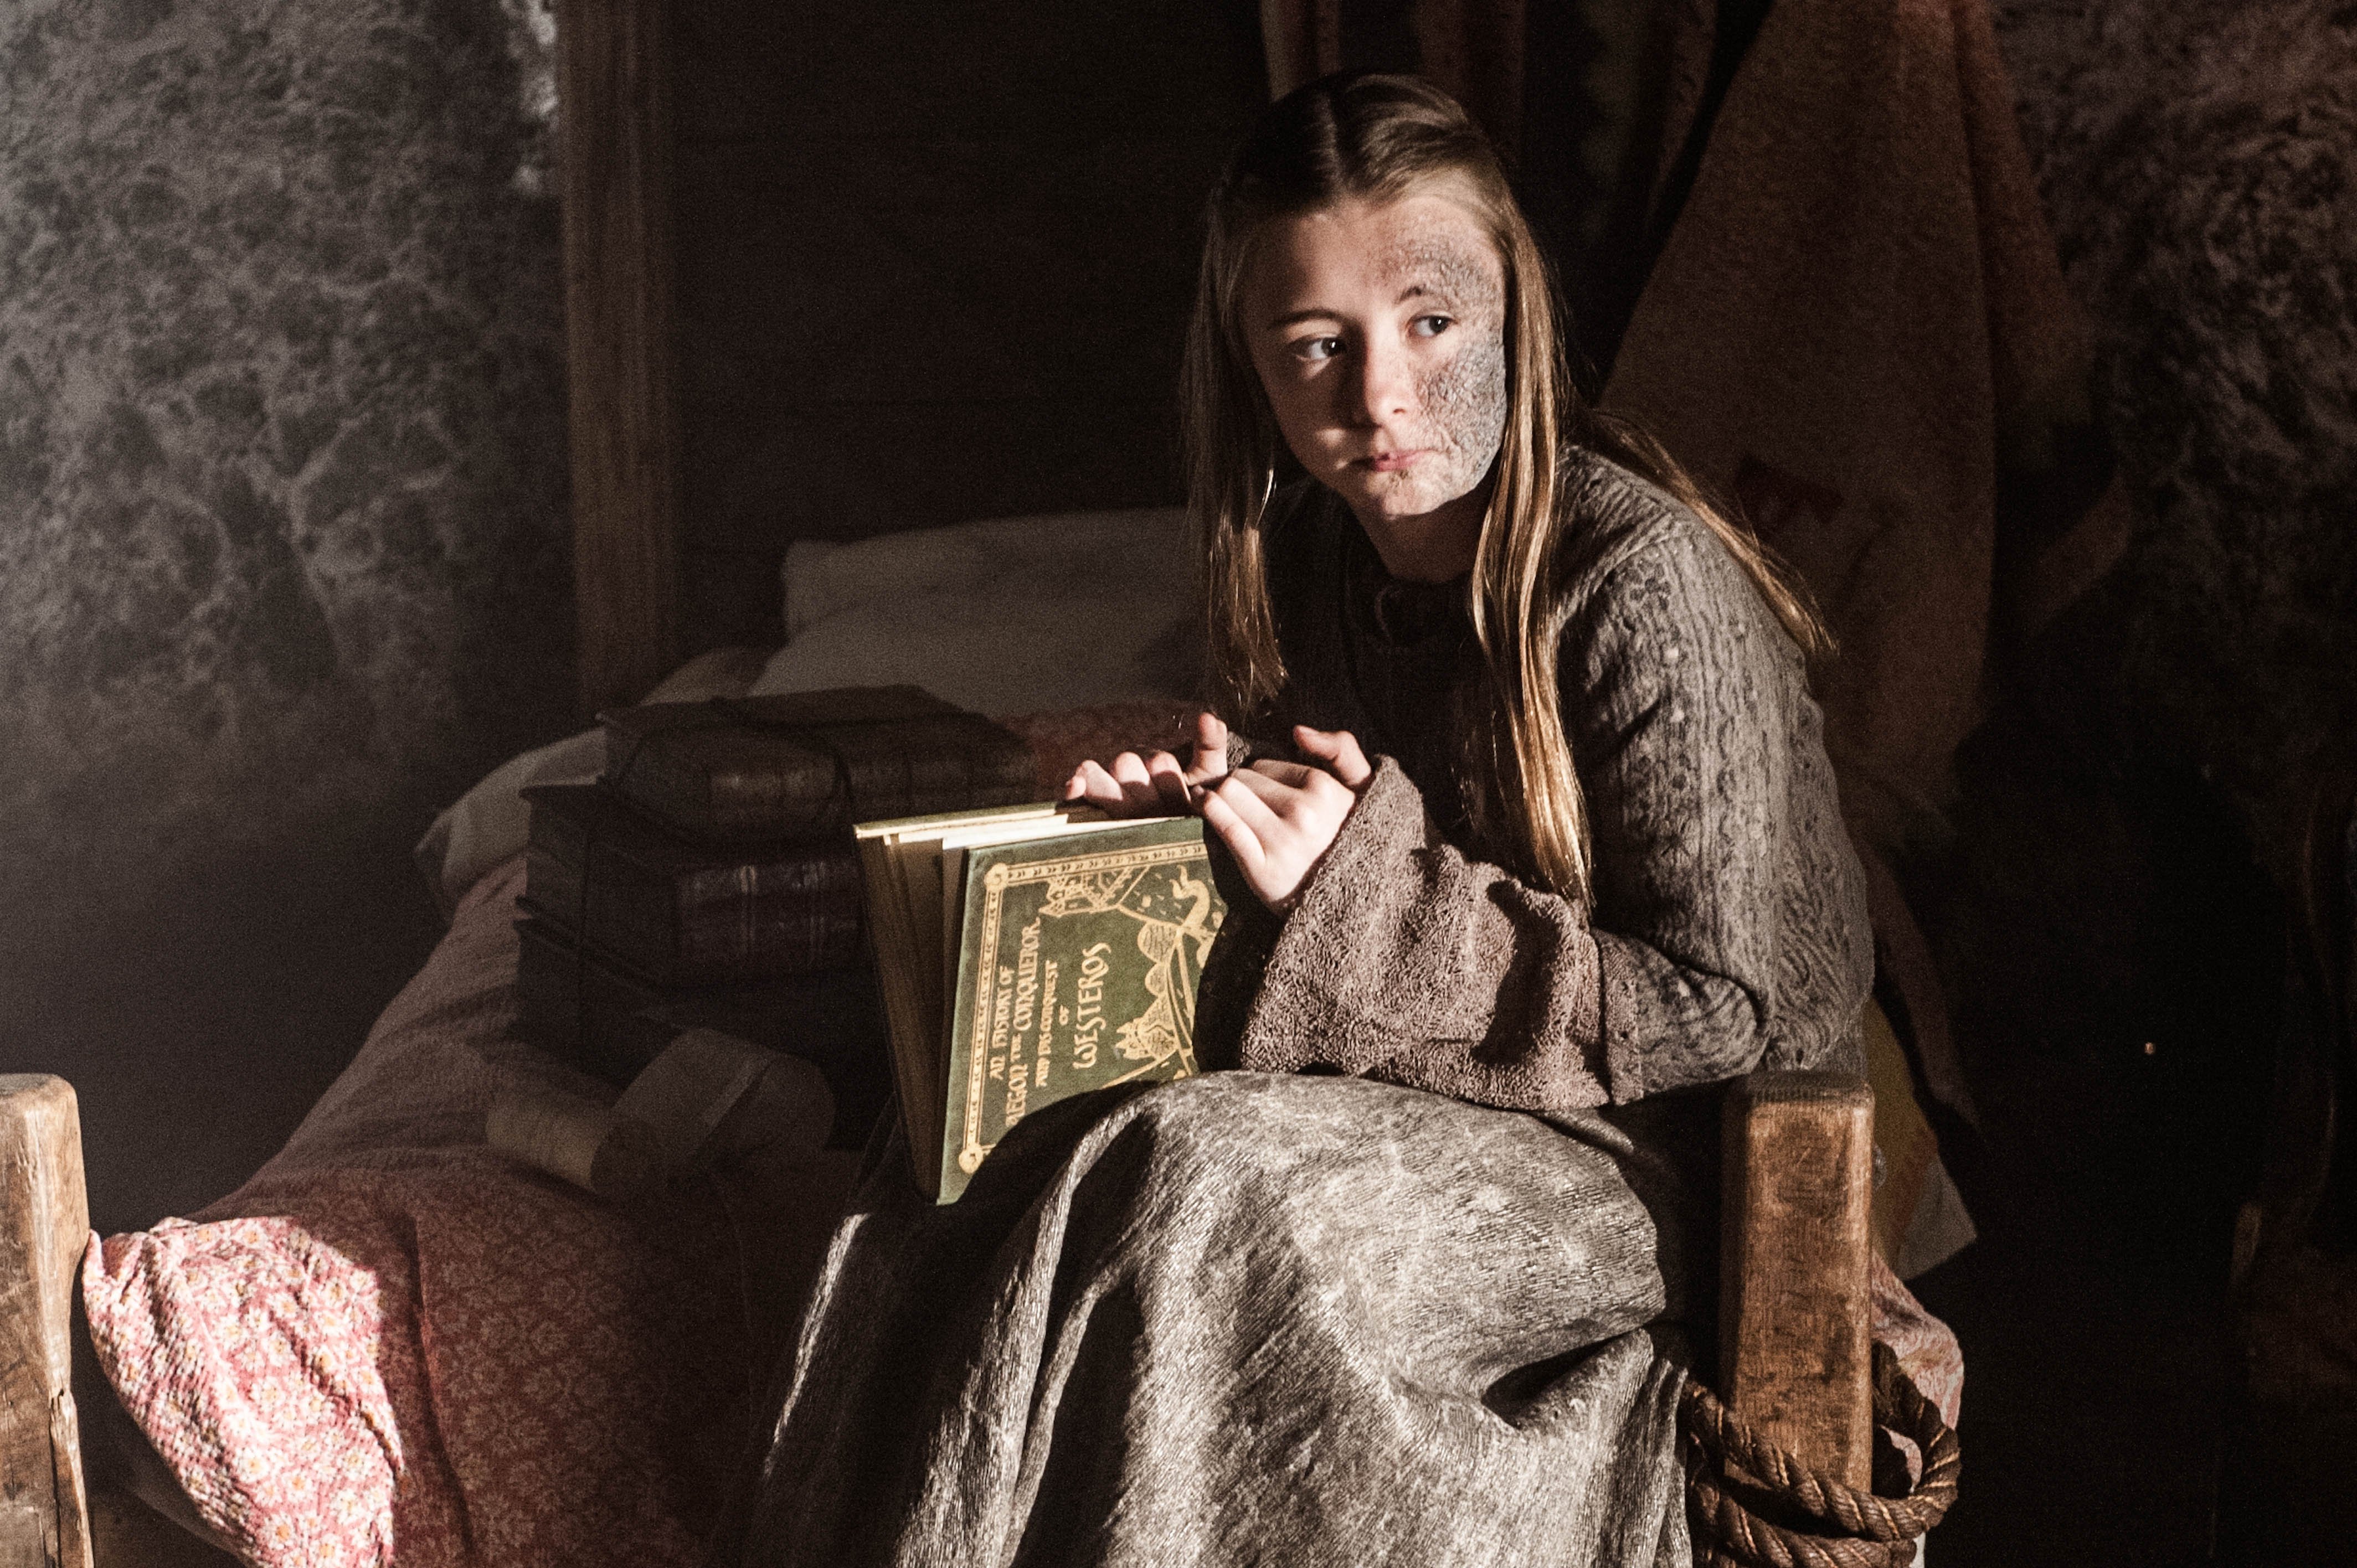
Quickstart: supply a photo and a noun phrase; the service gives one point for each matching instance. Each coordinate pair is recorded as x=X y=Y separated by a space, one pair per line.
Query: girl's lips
x=1393 y=462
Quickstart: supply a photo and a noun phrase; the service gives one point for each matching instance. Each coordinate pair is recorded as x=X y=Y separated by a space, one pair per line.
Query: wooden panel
x=614 y=113
x=934 y=264
x=44 y=1225
x=1795 y=1321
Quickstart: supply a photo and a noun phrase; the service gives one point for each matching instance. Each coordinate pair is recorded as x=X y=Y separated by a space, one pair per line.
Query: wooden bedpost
x=1795 y=1317
x=614 y=127
x=44 y=1226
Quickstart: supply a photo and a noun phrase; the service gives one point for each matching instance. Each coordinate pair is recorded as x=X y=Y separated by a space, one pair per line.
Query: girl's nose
x=1383 y=392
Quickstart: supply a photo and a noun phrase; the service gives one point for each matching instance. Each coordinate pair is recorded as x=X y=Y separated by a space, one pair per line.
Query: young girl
x=1537 y=821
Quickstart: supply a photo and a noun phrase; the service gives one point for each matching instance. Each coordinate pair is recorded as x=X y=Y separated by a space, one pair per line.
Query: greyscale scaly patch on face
x=1463 y=394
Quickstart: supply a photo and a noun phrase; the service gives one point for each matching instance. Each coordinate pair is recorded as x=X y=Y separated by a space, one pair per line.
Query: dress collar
x=1395 y=610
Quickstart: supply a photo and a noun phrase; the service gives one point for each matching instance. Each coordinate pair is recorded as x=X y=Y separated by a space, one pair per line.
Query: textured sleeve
x=1729 y=909
x=1406 y=961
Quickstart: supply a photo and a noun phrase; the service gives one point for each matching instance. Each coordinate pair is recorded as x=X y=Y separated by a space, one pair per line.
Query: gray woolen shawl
x=1269 y=1317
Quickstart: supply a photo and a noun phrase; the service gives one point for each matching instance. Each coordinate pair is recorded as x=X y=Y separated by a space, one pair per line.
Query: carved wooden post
x=1795 y=1321
x=614 y=125
x=44 y=1225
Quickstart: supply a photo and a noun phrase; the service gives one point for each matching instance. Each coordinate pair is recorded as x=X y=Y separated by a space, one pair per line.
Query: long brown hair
x=1378 y=138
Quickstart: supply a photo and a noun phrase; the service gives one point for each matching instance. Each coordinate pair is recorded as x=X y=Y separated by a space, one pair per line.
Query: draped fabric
x=1471 y=48
x=1245 y=1319
x=1857 y=330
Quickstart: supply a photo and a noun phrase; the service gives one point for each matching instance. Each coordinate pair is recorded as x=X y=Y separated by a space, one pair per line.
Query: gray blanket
x=1245 y=1319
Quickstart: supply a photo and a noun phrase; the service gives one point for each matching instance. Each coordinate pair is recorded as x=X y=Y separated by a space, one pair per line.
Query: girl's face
x=1378 y=334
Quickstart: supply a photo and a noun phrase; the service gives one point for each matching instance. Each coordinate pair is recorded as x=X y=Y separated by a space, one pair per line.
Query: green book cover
x=1078 y=959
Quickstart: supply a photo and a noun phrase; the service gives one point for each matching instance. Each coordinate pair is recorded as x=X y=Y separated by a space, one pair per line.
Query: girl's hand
x=1156 y=785
x=1278 y=819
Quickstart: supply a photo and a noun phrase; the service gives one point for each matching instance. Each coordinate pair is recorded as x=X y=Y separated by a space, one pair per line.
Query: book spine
x=913 y=768
x=796 y=798
x=754 y=920
x=553 y=856
x=580 y=1011
x=790 y=917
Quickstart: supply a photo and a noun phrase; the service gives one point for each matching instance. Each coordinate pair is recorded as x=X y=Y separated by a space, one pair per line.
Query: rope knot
x=1844 y=1528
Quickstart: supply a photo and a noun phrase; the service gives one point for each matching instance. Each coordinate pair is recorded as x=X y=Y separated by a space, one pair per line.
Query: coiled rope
x=1845 y=1528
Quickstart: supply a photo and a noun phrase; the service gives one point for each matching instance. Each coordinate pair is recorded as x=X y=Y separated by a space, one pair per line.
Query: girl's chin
x=1395 y=498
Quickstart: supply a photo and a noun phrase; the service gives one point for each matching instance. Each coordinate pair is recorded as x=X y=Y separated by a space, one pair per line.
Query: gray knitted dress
x=1279 y=1316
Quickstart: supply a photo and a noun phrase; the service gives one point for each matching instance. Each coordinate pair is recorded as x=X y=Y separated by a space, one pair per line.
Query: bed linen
x=326 y=1357
x=392 y=1345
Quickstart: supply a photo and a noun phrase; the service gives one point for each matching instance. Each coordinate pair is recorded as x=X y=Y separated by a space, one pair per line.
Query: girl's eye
x=1430 y=326
x=1317 y=349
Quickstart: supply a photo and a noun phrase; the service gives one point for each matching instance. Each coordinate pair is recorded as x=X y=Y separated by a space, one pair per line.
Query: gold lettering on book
x=1003 y=1044
x=1047 y=1021
x=1176 y=922
x=1002 y=1010
x=1027 y=980
x=1088 y=1003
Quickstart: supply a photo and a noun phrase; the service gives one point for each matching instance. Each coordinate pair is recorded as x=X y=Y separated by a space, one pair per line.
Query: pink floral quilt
x=393 y=1344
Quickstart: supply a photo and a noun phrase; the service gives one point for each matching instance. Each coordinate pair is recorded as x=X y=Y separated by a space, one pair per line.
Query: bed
x=406 y=1348
x=394 y=1344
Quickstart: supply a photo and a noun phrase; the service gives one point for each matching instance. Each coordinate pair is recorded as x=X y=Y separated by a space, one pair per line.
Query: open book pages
x=1028 y=953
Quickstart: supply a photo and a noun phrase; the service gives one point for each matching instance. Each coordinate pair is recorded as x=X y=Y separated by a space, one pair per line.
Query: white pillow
x=1012 y=615
x=490 y=823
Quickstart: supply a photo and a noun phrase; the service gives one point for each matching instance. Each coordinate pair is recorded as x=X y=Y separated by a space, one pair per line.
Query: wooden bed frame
x=1795 y=1317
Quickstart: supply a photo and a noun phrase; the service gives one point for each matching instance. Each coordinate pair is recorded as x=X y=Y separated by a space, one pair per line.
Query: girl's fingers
x=1292 y=775
x=1211 y=749
x=1169 y=781
x=1242 y=841
x=1115 y=796
x=1293 y=790
x=1096 y=785
x=1137 y=788
x=1254 y=800
x=1339 y=749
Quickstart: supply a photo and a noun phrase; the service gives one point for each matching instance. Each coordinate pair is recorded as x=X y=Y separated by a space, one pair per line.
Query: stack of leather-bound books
x=709 y=877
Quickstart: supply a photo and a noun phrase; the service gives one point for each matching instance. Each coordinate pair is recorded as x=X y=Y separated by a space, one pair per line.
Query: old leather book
x=681 y=912
x=811 y=763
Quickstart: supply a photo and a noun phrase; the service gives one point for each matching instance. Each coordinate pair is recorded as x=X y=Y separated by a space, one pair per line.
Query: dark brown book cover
x=610 y=1021
x=682 y=912
x=811 y=763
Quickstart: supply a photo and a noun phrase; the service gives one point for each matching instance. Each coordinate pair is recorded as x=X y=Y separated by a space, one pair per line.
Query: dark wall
x=2196 y=158
x=935 y=261
x=2110 y=914
x=281 y=536
x=282 y=540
